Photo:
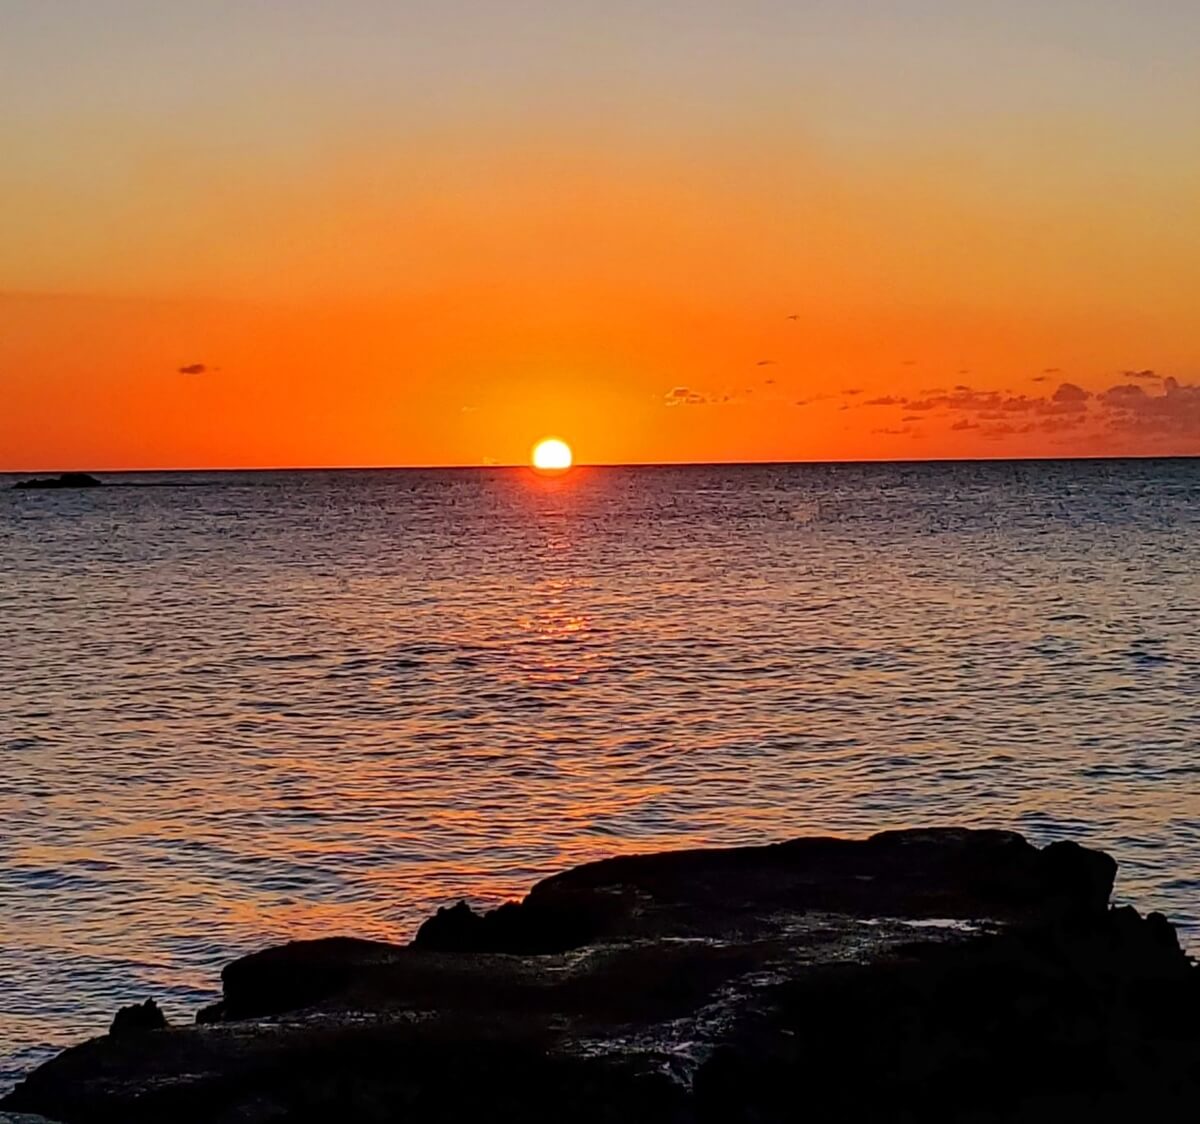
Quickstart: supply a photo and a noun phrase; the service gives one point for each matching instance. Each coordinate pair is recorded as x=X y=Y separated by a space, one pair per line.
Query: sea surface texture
x=242 y=708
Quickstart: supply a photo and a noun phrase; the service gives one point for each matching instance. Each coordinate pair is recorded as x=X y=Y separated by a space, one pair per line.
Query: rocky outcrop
x=930 y=975
x=138 y=1018
x=66 y=480
x=914 y=874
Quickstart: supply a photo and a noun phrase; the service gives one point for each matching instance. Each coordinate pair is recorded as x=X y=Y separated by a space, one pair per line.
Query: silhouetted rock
x=138 y=1018
x=66 y=480
x=944 y=975
x=553 y=924
x=948 y=873
x=293 y=975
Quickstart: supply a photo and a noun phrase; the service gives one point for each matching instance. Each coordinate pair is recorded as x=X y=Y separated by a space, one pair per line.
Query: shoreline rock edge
x=940 y=974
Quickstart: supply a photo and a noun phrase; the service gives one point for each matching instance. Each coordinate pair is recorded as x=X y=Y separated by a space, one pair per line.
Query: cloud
x=815 y=398
x=1061 y=422
x=193 y=369
x=993 y=405
x=996 y=414
x=1144 y=376
x=1069 y=392
x=1175 y=412
x=1127 y=396
x=961 y=398
x=685 y=396
x=853 y=392
x=688 y=396
x=996 y=430
x=1067 y=399
x=1132 y=408
x=894 y=432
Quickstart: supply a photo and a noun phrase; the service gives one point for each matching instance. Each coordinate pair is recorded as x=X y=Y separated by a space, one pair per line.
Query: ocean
x=240 y=708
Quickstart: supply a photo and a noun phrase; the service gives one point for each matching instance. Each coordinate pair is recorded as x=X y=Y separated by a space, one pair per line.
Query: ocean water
x=242 y=708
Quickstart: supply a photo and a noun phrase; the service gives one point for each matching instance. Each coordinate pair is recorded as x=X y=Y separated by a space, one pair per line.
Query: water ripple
x=281 y=705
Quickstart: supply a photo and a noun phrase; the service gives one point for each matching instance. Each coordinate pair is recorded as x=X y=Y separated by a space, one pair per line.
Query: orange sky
x=364 y=274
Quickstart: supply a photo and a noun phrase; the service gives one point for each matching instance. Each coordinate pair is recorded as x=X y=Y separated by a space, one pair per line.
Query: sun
x=552 y=455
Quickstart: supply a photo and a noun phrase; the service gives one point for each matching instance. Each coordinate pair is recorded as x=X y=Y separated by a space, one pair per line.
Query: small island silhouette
x=64 y=480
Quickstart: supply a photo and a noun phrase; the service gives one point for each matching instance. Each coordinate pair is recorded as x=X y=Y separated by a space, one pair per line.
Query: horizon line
x=615 y=464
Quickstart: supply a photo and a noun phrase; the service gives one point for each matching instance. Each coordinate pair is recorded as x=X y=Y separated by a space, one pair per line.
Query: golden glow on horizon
x=552 y=455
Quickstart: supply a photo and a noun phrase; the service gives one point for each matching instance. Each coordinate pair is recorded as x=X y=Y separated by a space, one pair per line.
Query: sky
x=384 y=233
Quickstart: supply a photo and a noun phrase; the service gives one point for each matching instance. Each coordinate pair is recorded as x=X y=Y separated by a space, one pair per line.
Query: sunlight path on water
x=269 y=706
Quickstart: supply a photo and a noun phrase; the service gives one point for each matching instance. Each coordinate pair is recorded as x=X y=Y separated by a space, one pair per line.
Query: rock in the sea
x=550 y=924
x=65 y=480
x=294 y=975
x=138 y=1018
x=944 y=975
x=947 y=873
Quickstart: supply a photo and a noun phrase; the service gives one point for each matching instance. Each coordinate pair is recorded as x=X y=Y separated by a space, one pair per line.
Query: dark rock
x=454 y=928
x=138 y=1018
x=552 y=924
x=914 y=976
x=294 y=975
x=1056 y=1023
x=945 y=873
x=66 y=480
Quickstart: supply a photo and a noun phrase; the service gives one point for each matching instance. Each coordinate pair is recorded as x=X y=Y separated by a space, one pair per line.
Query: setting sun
x=552 y=455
